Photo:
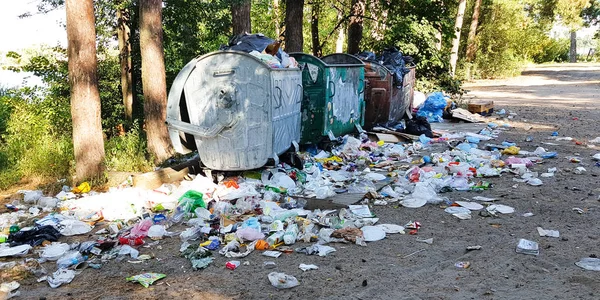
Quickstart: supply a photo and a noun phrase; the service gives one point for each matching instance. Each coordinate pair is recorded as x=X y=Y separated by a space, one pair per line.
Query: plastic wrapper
x=146 y=279
x=60 y=277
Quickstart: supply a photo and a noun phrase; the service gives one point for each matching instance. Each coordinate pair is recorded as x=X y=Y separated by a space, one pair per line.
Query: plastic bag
x=74 y=227
x=282 y=281
x=157 y=232
x=60 y=277
x=433 y=108
x=419 y=126
x=249 y=234
x=34 y=236
x=14 y=251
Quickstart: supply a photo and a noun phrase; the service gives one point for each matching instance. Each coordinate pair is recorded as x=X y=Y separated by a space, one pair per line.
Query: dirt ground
x=563 y=98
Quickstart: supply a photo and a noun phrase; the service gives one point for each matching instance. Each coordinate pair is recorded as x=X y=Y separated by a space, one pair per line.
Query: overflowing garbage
x=266 y=210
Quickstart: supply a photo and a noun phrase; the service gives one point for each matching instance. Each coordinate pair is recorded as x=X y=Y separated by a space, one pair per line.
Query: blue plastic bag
x=433 y=108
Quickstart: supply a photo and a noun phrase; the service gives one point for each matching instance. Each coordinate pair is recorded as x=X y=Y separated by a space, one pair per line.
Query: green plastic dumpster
x=333 y=98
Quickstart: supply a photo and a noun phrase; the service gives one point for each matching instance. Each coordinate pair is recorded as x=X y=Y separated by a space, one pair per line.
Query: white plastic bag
x=74 y=227
x=282 y=281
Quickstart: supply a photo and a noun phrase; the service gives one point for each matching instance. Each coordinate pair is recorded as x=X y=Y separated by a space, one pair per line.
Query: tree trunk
x=573 y=49
x=123 y=34
x=355 y=27
x=276 y=14
x=339 y=43
x=294 y=40
x=240 y=16
x=456 y=41
x=88 y=142
x=438 y=37
x=471 y=42
x=153 y=79
x=314 y=28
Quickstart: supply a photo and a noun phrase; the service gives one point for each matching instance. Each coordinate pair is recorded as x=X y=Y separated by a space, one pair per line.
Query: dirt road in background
x=562 y=98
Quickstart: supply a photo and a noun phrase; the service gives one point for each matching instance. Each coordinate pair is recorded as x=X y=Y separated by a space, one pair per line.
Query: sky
x=16 y=34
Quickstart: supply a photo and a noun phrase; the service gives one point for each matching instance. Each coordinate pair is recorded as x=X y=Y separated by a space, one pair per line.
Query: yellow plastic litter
x=380 y=143
x=82 y=188
x=438 y=175
x=204 y=244
x=329 y=159
x=512 y=150
x=498 y=163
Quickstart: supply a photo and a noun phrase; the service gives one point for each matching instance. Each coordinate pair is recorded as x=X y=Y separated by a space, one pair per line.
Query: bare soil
x=563 y=98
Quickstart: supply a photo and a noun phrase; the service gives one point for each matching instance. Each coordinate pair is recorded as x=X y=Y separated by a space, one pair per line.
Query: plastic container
x=275 y=238
x=235 y=109
x=333 y=102
x=291 y=234
x=70 y=259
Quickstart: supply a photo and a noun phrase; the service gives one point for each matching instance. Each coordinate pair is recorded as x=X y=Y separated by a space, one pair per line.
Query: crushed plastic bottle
x=70 y=259
x=291 y=234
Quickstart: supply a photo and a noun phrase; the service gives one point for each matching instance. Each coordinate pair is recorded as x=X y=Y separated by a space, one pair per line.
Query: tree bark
x=314 y=28
x=123 y=34
x=456 y=41
x=294 y=13
x=153 y=79
x=240 y=16
x=438 y=37
x=88 y=143
x=573 y=48
x=355 y=27
x=471 y=42
x=339 y=43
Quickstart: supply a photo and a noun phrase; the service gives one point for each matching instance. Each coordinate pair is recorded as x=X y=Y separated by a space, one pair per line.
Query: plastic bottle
x=70 y=259
x=275 y=238
x=282 y=216
x=291 y=234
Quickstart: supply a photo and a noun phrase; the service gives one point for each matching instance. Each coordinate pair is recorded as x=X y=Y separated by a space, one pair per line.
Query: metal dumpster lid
x=345 y=60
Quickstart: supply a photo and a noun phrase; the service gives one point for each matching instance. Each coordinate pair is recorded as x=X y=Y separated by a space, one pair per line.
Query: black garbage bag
x=417 y=126
x=367 y=56
x=249 y=42
x=393 y=60
x=34 y=236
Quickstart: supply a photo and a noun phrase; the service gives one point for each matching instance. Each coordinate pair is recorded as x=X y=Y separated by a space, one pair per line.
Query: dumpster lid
x=343 y=60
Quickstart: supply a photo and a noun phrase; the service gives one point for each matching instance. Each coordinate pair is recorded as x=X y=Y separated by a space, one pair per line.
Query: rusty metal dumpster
x=333 y=99
x=239 y=111
x=385 y=102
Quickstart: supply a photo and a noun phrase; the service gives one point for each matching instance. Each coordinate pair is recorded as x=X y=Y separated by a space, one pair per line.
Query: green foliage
x=191 y=28
x=128 y=153
x=508 y=39
x=413 y=28
x=555 y=50
x=31 y=147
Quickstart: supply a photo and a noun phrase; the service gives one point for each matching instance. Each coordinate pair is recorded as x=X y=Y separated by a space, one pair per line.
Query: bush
x=30 y=146
x=128 y=153
x=555 y=50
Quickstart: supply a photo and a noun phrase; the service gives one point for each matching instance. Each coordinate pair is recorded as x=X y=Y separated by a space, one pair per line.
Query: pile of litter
x=265 y=210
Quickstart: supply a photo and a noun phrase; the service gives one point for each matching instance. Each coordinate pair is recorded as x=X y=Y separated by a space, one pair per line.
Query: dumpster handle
x=362 y=86
x=301 y=91
x=205 y=132
x=332 y=87
x=278 y=97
